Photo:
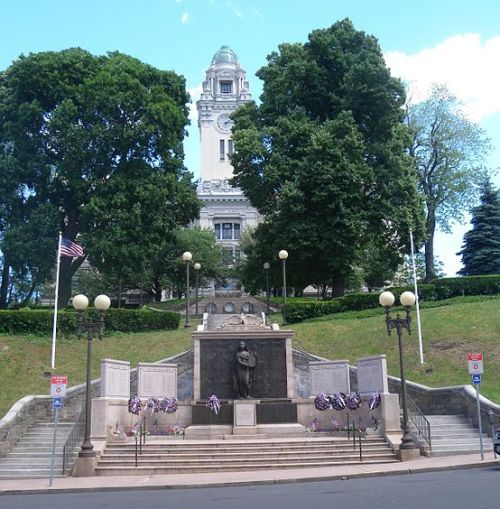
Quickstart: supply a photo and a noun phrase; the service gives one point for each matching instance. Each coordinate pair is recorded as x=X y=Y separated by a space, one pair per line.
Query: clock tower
x=224 y=89
x=225 y=209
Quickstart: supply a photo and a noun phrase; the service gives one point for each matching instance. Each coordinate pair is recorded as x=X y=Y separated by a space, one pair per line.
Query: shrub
x=469 y=285
x=117 y=320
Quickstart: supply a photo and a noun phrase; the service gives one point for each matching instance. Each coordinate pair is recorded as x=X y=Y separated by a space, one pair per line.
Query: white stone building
x=225 y=209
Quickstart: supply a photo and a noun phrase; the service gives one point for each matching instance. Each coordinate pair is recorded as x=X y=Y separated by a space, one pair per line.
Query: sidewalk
x=198 y=480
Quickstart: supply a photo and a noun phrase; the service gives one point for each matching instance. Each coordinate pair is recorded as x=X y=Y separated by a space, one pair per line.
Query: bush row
x=438 y=289
x=39 y=321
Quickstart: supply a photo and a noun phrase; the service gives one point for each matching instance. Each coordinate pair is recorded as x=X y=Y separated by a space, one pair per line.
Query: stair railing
x=74 y=439
x=418 y=419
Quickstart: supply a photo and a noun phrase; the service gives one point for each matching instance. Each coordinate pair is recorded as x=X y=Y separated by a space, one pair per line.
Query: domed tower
x=224 y=89
x=225 y=209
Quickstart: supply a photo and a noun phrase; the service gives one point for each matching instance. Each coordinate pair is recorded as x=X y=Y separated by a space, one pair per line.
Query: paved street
x=460 y=489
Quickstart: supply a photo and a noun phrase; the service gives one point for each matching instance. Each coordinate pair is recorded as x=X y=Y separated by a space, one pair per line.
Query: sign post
x=476 y=369
x=58 y=385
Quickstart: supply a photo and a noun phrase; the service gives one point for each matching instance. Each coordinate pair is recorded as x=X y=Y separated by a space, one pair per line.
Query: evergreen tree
x=481 y=248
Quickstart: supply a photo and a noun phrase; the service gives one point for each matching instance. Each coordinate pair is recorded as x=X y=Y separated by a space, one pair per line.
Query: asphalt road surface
x=460 y=489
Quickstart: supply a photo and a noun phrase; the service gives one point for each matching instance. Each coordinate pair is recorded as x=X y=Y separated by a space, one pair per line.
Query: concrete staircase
x=31 y=458
x=181 y=456
x=454 y=434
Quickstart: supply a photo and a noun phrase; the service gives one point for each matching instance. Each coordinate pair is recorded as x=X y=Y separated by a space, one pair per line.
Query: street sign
x=58 y=385
x=57 y=402
x=476 y=379
x=475 y=363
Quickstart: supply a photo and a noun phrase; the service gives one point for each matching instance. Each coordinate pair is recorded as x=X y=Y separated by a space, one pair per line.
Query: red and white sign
x=475 y=363
x=58 y=385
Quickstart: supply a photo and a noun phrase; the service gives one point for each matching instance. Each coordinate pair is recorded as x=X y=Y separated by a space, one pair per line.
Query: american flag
x=69 y=248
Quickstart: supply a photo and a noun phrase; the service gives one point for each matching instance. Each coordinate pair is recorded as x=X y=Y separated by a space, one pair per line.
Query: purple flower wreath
x=338 y=401
x=153 y=405
x=214 y=404
x=374 y=401
x=353 y=400
x=168 y=405
x=134 y=405
x=322 y=402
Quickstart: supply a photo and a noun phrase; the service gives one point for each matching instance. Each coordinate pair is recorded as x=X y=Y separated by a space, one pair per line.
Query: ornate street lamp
x=80 y=303
x=187 y=257
x=407 y=299
x=283 y=255
x=267 y=266
x=196 y=267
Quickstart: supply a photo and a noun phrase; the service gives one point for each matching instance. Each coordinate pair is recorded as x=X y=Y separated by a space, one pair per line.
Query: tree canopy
x=481 y=248
x=98 y=141
x=449 y=151
x=323 y=157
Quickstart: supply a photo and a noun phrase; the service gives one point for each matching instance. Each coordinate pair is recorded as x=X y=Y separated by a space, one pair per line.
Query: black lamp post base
x=408 y=449
x=84 y=467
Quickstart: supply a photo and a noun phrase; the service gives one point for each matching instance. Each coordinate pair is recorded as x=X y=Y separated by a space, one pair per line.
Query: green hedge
x=297 y=312
x=439 y=289
x=470 y=285
x=117 y=320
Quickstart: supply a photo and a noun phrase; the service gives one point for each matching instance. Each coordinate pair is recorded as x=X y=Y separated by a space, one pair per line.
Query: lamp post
x=187 y=257
x=283 y=255
x=267 y=266
x=196 y=267
x=80 y=303
x=407 y=299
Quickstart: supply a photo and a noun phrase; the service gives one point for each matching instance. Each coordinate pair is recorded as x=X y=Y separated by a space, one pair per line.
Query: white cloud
x=194 y=93
x=466 y=64
x=185 y=17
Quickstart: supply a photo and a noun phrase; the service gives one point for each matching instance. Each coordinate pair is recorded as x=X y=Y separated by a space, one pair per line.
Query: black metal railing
x=72 y=442
x=418 y=419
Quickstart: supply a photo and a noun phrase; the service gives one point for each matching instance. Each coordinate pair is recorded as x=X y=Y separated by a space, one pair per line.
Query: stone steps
x=32 y=456
x=259 y=454
x=453 y=434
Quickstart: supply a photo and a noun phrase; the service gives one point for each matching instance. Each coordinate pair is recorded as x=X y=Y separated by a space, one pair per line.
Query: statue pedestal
x=245 y=414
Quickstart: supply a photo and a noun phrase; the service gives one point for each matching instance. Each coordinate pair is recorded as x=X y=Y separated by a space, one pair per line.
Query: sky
x=455 y=42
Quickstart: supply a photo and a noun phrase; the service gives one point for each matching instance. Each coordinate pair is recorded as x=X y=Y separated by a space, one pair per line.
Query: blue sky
x=456 y=42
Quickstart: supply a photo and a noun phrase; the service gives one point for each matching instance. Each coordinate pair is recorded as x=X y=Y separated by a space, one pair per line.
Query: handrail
x=419 y=420
x=74 y=439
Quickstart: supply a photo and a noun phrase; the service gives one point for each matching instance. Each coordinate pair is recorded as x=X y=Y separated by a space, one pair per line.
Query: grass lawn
x=449 y=332
x=24 y=359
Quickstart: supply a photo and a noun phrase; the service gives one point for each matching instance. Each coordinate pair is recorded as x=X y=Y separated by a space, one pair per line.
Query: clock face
x=224 y=123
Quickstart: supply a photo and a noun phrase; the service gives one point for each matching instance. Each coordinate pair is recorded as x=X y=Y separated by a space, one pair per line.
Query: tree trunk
x=430 y=225
x=338 y=286
x=4 y=288
x=68 y=268
x=34 y=284
x=157 y=290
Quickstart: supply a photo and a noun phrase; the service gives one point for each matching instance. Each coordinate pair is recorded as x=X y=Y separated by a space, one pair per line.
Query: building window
x=221 y=150
x=226 y=87
x=230 y=147
x=227 y=231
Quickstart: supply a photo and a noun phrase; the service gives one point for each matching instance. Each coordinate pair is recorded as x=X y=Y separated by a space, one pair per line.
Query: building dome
x=225 y=55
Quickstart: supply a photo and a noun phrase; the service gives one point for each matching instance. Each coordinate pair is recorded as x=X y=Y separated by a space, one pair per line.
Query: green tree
x=171 y=270
x=448 y=150
x=323 y=157
x=481 y=248
x=80 y=125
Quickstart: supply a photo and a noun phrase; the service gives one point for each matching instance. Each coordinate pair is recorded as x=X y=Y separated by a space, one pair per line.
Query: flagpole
x=54 y=324
x=419 y=327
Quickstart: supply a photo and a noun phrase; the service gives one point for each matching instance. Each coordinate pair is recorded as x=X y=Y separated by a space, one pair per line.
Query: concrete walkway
x=173 y=481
